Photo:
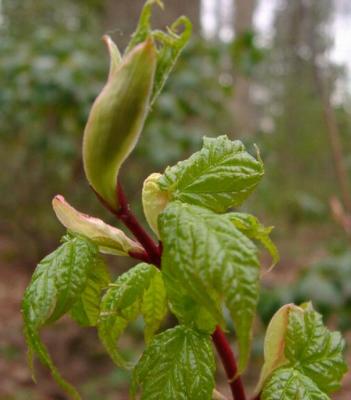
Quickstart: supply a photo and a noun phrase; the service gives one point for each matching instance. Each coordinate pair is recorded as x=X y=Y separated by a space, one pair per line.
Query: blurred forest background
x=276 y=73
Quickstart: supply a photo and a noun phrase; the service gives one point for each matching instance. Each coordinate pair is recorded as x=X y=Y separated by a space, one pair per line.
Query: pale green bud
x=117 y=117
x=109 y=239
x=154 y=200
x=274 y=343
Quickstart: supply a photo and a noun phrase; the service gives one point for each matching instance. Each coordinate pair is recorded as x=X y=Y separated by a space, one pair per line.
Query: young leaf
x=186 y=309
x=178 y=364
x=58 y=281
x=154 y=306
x=211 y=259
x=312 y=364
x=127 y=298
x=290 y=384
x=56 y=285
x=317 y=351
x=221 y=175
x=154 y=201
x=109 y=239
x=252 y=228
x=35 y=346
x=169 y=44
x=86 y=309
x=117 y=118
x=143 y=30
x=121 y=304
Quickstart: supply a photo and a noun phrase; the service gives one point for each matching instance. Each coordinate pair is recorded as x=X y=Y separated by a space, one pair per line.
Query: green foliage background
x=53 y=65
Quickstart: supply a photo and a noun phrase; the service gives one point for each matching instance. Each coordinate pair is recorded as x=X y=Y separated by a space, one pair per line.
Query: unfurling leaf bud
x=117 y=117
x=109 y=239
x=274 y=343
x=301 y=356
x=154 y=199
x=115 y=55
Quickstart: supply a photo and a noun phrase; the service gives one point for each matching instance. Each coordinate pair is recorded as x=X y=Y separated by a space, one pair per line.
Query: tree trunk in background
x=332 y=127
x=122 y=16
x=300 y=97
x=243 y=110
x=243 y=17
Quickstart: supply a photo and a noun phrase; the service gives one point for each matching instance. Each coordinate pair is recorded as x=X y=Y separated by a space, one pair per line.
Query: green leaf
x=317 y=351
x=178 y=364
x=35 y=346
x=120 y=305
x=58 y=281
x=169 y=44
x=290 y=384
x=56 y=285
x=135 y=292
x=313 y=363
x=86 y=309
x=212 y=260
x=185 y=308
x=252 y=228
x=154 y=305
x=221 y=175
x=143 y=29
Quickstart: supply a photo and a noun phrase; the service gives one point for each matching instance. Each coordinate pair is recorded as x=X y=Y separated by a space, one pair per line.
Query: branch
x=228 y=360
x=153 y=255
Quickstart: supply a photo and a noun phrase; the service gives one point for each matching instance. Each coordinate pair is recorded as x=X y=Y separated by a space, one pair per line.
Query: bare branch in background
x=340 y=216
x=333 y=130
x=242 y=106
x=335 y=140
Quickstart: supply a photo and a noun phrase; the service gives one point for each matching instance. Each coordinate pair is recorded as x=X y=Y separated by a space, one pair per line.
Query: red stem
x=153 y=255
x=126 y=215
x=228 y=360
x=142 y=256
x=152 y=252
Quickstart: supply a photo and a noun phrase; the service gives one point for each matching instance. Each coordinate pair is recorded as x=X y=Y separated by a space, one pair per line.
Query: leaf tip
x=115 y=56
